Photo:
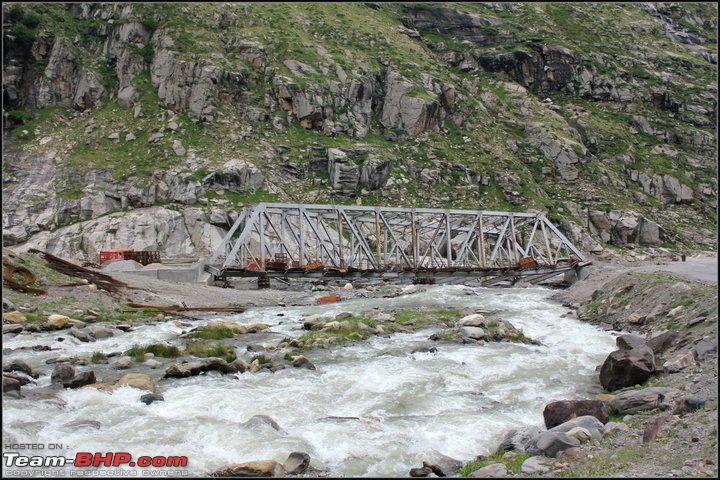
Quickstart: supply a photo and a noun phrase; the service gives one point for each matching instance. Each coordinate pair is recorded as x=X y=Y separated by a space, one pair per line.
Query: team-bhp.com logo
x=97 y=459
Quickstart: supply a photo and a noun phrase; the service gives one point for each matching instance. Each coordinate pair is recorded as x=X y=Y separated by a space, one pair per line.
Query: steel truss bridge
x=424 y=245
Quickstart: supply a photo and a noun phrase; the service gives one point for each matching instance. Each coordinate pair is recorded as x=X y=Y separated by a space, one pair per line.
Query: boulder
x=559 y=412
x=493 y=470
x=11 y=386
x=296 y=463
x=82 y=379
x=123 y=363
x=537 y=464
x=81 y=335
x=688 y=404
x=303 y=362
x=14 y=317
x=588 y=422
x=636 y=401
x=474 y=333
x=264 y=421
x=149 y=398
x=17 y=365
x=705 y=347
x=187 y=369
x=138 y=380
x=257 y=468
x=520 y=440
x=12 y=328
x=58 y=322
x=580 y=433
x=62 y=373
x=625 y=368
x=344 y=174
x=629 y=341
x=679 y=362
x=662 y=342
x=474 y=320
x=551 y=443
x=654 y=426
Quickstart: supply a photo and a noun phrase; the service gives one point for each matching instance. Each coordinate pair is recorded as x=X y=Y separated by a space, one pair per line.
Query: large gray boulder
x=520 y=440
x=588 y=422
x=636 y=401
x=552 y=443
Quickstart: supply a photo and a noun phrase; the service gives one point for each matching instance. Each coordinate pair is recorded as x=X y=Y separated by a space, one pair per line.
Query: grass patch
x=214 y=333
x=98 y=357
x=157 y=349
x=513 y=464
x=419 y=319
x=206 y=349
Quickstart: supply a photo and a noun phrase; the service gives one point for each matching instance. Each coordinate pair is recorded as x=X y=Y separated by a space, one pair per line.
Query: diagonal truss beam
x=386 y=239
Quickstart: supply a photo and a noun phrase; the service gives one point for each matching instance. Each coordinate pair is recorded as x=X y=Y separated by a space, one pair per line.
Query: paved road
x=704 y=269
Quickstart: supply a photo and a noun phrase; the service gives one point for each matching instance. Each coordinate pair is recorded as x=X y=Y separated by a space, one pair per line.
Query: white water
x=458 y=402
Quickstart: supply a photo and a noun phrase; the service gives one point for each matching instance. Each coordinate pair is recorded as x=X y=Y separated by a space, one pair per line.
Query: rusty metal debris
x=185 y=308
x=103 y=281
x=328 y=299
x=28 y=278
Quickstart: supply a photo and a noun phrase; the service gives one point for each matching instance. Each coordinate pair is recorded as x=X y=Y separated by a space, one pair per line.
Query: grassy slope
x=362 y=40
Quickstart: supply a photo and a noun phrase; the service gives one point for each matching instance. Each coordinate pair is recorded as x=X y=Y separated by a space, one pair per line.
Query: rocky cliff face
x=120 y=118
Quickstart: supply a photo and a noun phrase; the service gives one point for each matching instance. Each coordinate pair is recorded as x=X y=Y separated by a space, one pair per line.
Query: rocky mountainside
x=152 y=125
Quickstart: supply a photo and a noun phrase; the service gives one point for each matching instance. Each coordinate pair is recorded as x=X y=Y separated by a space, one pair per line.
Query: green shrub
x=24 y=35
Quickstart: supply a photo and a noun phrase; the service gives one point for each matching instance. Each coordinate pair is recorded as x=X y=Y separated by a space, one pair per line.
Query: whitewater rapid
x=398 y=408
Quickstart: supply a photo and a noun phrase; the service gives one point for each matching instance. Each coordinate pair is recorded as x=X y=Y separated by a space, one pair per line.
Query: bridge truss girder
x=383 y=239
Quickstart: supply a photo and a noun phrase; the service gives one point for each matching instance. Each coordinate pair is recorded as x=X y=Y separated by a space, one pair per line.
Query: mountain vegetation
x=153 y=124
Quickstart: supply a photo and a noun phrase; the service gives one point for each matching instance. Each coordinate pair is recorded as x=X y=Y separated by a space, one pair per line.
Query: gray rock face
x=344 y=174
x=373 y=173
x=64 y=82
x=156 y=228
x=188 y=86
x=237 y=176
x=401 y=111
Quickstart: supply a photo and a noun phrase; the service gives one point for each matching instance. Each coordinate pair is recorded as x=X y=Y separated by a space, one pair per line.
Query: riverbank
x=613 y=291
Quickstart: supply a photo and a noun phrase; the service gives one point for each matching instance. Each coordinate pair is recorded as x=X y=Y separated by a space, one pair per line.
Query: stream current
x=371 y=408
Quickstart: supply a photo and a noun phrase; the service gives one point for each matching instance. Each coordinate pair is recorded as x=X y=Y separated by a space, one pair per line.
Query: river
x=406 y=407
